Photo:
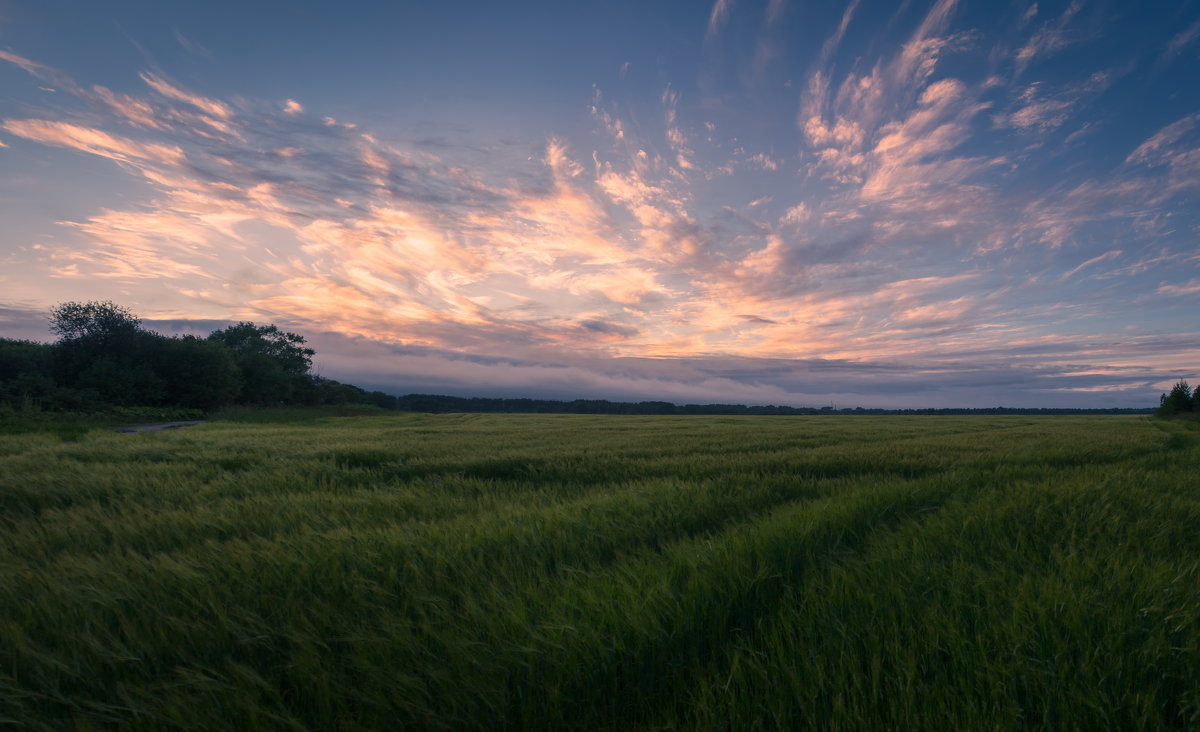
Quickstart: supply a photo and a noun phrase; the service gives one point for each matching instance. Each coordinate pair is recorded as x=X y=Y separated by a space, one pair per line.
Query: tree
x=96 y=321
x=199 y=373
x=25 y=372
x=1177 y=401
x=23 y=358
x=123 y=379
x=274 y=363
x=287 y=349
x=102 y=348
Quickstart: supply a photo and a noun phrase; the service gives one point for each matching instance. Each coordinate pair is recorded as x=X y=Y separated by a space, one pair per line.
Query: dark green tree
x=123 y=379
x=274 y=363
x=199 y=373
x=286 y=349
x=1179 y=400
x=103 y=349
x=93 y=321
x=23 y=358
x=25 y=369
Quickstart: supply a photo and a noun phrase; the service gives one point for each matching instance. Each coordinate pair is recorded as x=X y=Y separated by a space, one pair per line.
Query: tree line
x=104 y=358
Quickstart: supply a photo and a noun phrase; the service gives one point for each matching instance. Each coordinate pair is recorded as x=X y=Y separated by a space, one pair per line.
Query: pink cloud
x=1180 y=290
x=1048 y=39
x=211 y=107
x=129 y=109
x=93 y=141
x=29 y=66
x=1157 y=148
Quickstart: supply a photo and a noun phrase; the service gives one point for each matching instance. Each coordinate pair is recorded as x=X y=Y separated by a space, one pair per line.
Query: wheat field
x=568 y=571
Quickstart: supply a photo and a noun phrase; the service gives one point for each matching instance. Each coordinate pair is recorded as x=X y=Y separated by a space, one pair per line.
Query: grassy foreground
x=531 y=571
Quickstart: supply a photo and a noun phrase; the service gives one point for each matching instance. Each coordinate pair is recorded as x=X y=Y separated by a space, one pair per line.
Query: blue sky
x=877 y=204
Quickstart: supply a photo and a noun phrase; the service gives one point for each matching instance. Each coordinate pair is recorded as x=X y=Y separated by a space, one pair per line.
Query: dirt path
x=135 y=428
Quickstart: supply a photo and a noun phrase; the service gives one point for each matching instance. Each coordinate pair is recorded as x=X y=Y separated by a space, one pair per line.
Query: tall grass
x=533 y=571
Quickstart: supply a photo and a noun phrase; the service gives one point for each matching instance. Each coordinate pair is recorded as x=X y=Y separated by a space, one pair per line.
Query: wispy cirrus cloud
x=40 y=71
x=835 y=40
x=1179 y=42
x=1039 y=110
x=1112 y=254
x=1181 y=289
x=1162 y=146
x=718 y=16
x=1051 y=37
x=94 y=141
x=210 y=107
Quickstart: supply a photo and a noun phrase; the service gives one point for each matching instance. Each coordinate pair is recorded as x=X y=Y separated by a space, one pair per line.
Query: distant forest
x=105 y=360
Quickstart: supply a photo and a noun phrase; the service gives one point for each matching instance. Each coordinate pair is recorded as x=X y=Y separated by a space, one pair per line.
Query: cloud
x=888 y=137
x=1040 y=114
x=1179 y=41
x=897 y=236
x=718 y=16
x=764 y=161
x=1112 y=254
x=834 y=41
x=1179 y=290
x=919 y=55
x=839 y=127
x=32 y=67
x=1035 y=110
x=191 y=46
x=131 y=110
x=1048 y=39
x=96 y=142
x=907 y=149
x=41 y=71
x=601 y=326
x=1158 y=148
x=211 y=107
x=675 y=137
x=1030 y=13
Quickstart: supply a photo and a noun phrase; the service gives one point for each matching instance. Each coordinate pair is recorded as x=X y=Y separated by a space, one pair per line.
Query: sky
x=877 y=204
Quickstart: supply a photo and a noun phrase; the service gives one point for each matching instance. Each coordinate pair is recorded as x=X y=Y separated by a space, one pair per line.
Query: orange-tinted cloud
x=93 y=141
x=211 y=107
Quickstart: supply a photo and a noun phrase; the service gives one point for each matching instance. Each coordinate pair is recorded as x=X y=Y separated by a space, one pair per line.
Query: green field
x=546 y=572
